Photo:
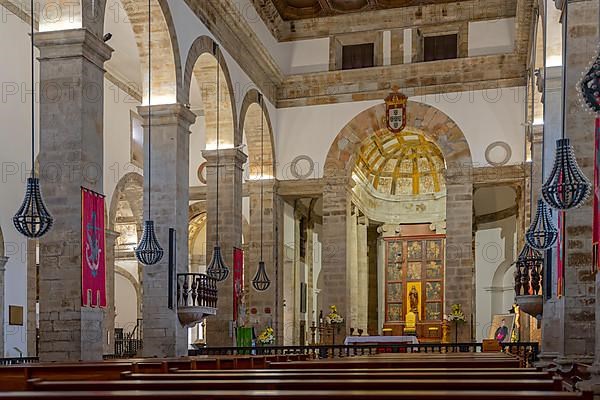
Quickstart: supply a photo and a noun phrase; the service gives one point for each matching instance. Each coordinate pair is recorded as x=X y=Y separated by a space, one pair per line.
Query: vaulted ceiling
x=302 y=9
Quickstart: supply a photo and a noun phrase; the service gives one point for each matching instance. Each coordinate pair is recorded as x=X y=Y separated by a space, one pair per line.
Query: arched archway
x=341 y=159
x=251 y=128
x=202 y=64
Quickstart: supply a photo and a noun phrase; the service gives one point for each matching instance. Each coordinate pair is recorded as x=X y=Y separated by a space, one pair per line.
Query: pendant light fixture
x=542 y=234
x=217 y=269
x=33 y=219
x=149 y=251
x=261 y=280
x=567 y=187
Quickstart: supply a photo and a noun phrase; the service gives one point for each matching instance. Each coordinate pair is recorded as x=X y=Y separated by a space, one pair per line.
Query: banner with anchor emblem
x=93 y=267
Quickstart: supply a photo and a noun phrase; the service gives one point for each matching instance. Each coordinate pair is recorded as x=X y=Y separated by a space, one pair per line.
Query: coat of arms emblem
x=396 y=112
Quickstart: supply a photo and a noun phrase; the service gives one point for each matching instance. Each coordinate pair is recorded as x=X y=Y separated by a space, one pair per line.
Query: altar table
x=381 y=339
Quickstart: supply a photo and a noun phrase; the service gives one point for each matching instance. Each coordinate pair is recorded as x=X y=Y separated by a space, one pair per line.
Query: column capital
x=72 y=43
x=231 y=155
x=167 y=114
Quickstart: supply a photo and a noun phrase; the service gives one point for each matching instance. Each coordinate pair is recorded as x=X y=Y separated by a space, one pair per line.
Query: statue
x=414 y=300
x=243 y=310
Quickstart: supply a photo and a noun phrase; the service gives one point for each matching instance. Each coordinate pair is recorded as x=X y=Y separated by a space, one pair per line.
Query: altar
x=351 y=340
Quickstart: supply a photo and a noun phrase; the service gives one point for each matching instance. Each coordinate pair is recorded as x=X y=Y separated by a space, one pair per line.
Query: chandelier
x=542 y=233
x=149 y=251
x=33 y=220
x=261 y=280
x=217 y=269
x=567 y=187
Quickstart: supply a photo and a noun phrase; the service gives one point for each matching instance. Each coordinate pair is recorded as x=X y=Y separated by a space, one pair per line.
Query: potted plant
x=458 y=317
x=335 y=320
x=266 y=337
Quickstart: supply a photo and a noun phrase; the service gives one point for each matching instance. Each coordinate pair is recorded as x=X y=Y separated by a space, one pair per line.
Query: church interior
x=270 y=198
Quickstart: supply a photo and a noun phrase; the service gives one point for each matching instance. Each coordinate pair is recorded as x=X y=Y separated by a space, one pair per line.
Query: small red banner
x=238 y=280
x=560 y=255
x=596 y=231
x=93 y=264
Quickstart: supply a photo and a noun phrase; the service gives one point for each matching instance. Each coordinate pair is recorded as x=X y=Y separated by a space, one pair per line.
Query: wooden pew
x=397 y=363
x=297 y=395
x=304 y=384
x=339 y=374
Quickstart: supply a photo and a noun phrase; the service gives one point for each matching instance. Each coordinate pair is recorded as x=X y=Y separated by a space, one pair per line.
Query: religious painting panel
x=394 y=312
x=394 y=292
x=413 y=297
x=434 y=270
x=394 y=272
x=433 y=291
x=414 y=271
x=415 y=250
x=434 y=250
x=433 y=311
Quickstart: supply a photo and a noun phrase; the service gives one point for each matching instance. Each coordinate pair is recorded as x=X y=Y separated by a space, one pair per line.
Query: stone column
x=219 y=330
x=163 y=334
x=552 y=327
x=336 y=216
x=3 y=261
x=71 y=156
x=110 y=237
x=363 y=273
x=579 y=301
x=459 y=246
x=263 y=302
x=352 y=263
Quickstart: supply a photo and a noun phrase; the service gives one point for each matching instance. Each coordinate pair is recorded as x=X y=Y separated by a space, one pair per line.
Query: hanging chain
x=32 y=95
x=149 y=109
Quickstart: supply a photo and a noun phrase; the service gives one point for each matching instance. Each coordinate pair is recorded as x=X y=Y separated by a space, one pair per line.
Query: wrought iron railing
x=19 y=360
x=526 y=351
x=196 y=290
x=127 y=344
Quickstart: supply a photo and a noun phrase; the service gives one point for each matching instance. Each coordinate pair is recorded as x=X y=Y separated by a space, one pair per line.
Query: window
x=441 y=47
x=358 y=56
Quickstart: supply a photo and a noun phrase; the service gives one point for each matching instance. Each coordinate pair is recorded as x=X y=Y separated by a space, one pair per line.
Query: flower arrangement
x=457 y=315
x=267 y=336
x=334 y=317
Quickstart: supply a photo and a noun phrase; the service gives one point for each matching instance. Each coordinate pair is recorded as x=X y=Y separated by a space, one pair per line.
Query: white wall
x=483 y=116
x=126 y=305
x=15 y=164
x=492 y=37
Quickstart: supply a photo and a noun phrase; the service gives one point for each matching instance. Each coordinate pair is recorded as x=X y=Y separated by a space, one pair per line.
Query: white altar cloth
x=380 y=339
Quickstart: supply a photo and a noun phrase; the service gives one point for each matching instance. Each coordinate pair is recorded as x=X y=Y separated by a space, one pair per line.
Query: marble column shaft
x=71 y=156
x=3 y=261
x=110 y=237
x=266 y=300
x=162 y=333
x=231 y=163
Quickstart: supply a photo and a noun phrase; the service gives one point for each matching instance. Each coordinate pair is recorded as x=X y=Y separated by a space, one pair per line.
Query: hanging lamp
x=542 y=233
x=217 y=269
x=149 y=251
x=567 y=186
x=33 y=219
x=261 y=281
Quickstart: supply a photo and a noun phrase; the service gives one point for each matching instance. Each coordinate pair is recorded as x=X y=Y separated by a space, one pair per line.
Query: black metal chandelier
x=261 y=281
x=33 y=220
x=589 y=86
x=149 y=251
x=567 y=187
x=217 y=269
x=542 y=233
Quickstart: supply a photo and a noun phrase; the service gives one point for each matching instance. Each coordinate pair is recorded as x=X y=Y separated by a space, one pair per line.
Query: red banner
x=238 y=280
x=93 y=265
x=560 y=255
x=596 y=233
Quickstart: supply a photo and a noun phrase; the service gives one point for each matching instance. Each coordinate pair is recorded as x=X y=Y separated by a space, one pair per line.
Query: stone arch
x=131 y=189
x=202 y=63
x=445 y=133
x=91 y=14
x=250 y=126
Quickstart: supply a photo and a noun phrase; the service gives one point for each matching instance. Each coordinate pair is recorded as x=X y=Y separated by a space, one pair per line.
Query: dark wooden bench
x=397 y=363
x=338 y=374
x=298 y=395
x=305 y=384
